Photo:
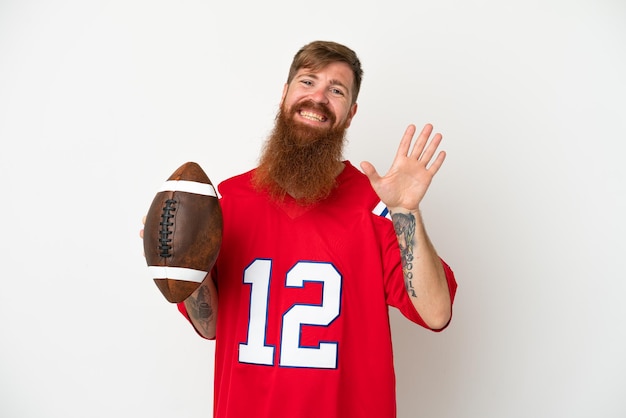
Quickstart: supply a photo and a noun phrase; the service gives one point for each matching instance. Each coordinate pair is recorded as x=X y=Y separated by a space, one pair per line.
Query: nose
x=320 y=95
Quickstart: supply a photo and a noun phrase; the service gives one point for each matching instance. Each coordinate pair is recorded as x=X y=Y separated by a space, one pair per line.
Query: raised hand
x=411 y=172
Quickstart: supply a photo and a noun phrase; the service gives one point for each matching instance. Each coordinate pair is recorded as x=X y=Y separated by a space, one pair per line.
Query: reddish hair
x=318 y=54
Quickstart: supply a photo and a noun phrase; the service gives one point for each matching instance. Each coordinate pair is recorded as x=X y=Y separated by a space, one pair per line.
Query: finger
x=369 y=170
x=436 y=165
x=421 y=141
x=405 y=142
x=143 y=222
x=430 y=150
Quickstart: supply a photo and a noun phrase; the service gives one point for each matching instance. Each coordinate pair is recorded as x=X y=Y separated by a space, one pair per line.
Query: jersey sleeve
x=183 y=310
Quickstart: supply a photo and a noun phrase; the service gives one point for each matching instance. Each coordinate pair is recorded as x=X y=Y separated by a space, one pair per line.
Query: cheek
x=289 y=101
x=350 y=114
x=344 y=117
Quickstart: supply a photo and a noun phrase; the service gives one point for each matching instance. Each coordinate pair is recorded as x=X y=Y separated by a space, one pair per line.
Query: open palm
x=411 y=172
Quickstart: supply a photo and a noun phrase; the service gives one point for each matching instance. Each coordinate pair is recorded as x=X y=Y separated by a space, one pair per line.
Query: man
x=308 y=268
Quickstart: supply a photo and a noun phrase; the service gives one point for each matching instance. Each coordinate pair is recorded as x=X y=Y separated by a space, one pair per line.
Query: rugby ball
x=183 y=232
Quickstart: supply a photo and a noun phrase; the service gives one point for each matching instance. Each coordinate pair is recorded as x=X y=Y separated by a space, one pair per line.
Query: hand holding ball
x=183 y=232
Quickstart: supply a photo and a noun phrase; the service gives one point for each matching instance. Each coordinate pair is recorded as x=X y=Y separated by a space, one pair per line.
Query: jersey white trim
x=381 y=210
x=177 y=273
x=189 y=187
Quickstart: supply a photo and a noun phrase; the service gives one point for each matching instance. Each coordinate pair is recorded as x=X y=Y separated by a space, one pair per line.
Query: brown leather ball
x=183 y=232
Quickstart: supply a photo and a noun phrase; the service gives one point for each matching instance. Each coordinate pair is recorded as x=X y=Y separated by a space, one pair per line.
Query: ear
x=282 y=98
x=351 y=114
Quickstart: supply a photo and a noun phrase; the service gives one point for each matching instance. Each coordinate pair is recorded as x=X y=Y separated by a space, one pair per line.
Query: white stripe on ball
x=189 y=187
x=177 y=273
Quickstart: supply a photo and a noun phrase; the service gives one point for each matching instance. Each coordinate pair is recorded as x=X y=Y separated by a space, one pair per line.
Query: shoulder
x=239 y=184
x=354 y=188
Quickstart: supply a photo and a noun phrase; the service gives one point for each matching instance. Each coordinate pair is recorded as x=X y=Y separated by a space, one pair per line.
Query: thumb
x=369 y=171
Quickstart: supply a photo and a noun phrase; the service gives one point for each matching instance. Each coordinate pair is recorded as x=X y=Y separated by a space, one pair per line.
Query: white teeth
x=312 y=116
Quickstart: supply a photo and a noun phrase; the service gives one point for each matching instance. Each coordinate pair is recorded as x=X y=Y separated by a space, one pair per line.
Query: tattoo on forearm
x=204 y=310
x=404 y=224
x=201 y=310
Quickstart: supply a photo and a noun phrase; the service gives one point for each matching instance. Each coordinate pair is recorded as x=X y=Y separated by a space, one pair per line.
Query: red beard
x=301 y=160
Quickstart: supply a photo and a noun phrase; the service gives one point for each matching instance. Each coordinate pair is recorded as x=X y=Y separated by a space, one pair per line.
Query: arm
x=402 y=190
x=424 y=276
x=201 y=308
x=201 y=305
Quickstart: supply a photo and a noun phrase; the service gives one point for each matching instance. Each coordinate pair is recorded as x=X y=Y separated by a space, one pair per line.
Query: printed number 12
x=292 y=354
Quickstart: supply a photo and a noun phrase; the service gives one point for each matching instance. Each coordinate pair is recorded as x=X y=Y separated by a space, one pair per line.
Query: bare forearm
x=202 y=308
x=424 y=276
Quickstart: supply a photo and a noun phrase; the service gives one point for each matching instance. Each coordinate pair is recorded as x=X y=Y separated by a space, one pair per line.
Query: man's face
x=302 y=156
x=321 y=99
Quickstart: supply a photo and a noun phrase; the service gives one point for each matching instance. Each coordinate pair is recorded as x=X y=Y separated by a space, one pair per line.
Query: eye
x=306 y=82
x=336 y=91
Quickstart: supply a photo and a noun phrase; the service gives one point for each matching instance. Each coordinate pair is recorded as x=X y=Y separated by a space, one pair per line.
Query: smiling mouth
x=313 y=116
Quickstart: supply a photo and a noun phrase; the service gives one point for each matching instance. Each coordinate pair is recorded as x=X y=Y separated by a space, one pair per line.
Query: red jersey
x=303 y=324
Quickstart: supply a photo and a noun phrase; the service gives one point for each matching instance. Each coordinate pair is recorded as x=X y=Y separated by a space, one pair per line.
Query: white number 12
x=292 y=354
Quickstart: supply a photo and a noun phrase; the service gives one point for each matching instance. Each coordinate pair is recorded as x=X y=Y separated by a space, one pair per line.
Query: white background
x=101 y=100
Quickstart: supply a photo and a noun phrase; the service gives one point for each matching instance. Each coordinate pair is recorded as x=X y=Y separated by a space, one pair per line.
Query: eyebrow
x=333 y=82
